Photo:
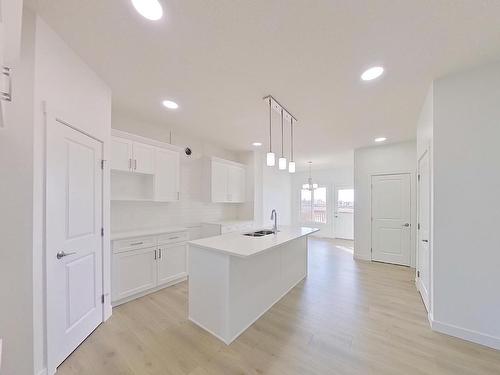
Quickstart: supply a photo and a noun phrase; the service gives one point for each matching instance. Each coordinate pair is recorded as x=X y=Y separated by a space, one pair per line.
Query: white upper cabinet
x=227 y=181
x=167 y=175
x=131 y=156
x=153 y=169
x=219 y=181
x=236 y=183
x=144 y=158
x=121 y=154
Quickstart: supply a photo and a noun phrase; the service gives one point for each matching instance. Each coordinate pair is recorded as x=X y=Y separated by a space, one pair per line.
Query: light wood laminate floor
x=347 y=317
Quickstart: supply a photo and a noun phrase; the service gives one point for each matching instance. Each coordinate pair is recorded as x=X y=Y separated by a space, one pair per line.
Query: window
x=345 y=200
x=313 y=205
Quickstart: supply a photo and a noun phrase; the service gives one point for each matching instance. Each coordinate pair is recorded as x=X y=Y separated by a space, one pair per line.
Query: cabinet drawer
x=133 y=243
x=172 y=238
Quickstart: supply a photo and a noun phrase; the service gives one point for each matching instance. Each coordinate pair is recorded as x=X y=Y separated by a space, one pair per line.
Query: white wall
x=467 y=205
x=74 y=93
x=16 y=213
x=48 y=72
x=331 y=178
x=193 y=208
x=368 y=161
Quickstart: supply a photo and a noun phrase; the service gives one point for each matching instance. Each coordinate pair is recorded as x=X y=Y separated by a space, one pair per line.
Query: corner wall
x=368 y=161
x=466 y=247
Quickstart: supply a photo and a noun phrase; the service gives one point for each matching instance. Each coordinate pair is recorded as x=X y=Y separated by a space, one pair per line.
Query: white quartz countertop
x=237 y=244
x=145 y=232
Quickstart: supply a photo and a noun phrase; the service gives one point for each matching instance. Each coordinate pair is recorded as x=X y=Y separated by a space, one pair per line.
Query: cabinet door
x=133 y=272
x=166 y=175
x=121 y=154
x=171 y=262
x=236 y=184
x=144 y=157
x=219 y=182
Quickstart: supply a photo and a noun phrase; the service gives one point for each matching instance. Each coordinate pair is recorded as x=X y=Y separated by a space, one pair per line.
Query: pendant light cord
x=270 y=128
x=291 y=138
x=282 y=134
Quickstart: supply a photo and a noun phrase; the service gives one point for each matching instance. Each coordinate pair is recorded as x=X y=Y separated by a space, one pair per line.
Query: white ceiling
x=218 y=58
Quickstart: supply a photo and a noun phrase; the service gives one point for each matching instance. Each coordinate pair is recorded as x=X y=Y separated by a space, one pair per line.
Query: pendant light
x=310 y=185
x=270 y=158
x=291 y=164
x=282 y=159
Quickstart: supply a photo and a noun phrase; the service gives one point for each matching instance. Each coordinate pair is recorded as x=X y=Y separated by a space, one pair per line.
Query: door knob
x=62 y=254
x=406 y=225
x=425 y=240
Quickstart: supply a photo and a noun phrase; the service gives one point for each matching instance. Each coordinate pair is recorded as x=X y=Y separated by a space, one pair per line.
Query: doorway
x=73 y=238
x=344 y=213
x=390 y=219
x=423 y=229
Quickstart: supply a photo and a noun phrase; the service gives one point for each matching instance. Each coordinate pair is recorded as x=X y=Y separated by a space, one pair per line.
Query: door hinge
x=102 y=232
x=418 y=226
x=102 y=163
x=418 y=177
x=102 y=299
x=418 y=273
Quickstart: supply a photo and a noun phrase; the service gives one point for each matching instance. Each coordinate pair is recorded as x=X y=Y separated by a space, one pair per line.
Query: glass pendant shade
x=270 y=159
x=291 y=167
x=282 y=163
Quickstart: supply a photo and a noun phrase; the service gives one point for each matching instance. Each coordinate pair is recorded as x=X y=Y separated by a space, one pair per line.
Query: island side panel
x=208 y=290
x=258 y=282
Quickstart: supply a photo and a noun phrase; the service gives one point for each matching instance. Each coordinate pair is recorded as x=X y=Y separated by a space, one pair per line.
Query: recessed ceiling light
x=170 y=104
x=380 y=139
x=150 y=9
x=372 y=73
x=257 y=144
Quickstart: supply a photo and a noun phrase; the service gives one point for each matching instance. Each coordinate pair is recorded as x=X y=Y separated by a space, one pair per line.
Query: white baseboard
x=465 y=334
x=363 y=257
x=42 y=372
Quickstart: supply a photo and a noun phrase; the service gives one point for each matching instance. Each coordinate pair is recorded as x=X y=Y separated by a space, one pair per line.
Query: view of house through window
x=313 y=205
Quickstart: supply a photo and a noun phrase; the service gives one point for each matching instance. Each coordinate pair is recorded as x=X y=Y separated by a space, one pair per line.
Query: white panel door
x=171 y=262
x=344 y=213
x=121 y=154
x=144 y=158
x=133 y=272
x=73 y=239
x=167 y=175
x=423 y=233
x=219 y=179
x=391 y=231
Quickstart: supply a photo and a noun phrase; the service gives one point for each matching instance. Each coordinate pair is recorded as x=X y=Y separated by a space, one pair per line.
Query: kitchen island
x=234 y=278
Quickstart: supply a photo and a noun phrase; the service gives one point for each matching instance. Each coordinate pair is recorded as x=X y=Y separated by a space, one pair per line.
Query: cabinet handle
x=159 y=253
x=7 y=96
x=156 y=255
x=135 y=164
x=173 y=238
x=129 y=163
x=136 y=243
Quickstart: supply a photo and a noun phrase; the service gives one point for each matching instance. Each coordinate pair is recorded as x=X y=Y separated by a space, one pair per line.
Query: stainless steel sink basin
x=259 y=233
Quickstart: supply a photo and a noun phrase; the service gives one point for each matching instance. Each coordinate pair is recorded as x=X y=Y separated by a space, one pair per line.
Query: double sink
x=259 y=233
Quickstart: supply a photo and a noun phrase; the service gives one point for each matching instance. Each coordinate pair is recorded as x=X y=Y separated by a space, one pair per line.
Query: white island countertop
x=237 y=244
x=145 y=232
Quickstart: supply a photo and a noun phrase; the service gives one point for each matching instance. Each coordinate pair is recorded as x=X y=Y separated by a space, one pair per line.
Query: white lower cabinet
x=139 y=268
x=171 y=262
x=134 y=272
